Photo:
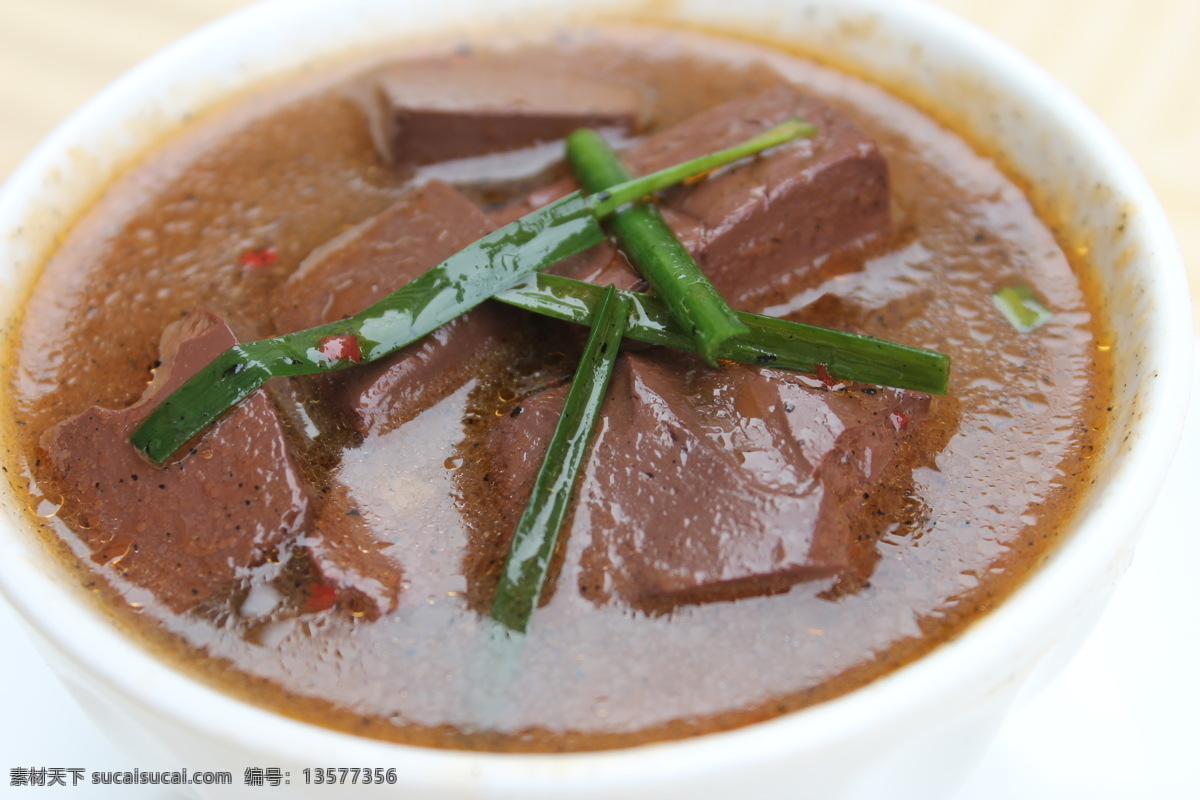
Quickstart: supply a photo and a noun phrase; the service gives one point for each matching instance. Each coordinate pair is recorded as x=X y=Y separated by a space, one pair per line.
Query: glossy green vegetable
x=1022 y=308
x=537 y=532
x=772 y=342
x=453 y=287
x=655 y=251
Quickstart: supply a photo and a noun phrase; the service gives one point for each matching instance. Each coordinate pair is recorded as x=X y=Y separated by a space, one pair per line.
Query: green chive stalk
x=537 y=531
x=1022 y=308
x=771 y=342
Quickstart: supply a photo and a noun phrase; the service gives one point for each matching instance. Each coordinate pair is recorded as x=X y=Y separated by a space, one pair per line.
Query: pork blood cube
x=764 y=221
x=773 y=218
x=432 y=111
x=186 y=531
x=706 y=485
x=370 y=261
x=388 y=393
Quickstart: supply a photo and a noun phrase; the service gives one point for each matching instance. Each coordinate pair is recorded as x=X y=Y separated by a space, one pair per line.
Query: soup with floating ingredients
x=743 y=540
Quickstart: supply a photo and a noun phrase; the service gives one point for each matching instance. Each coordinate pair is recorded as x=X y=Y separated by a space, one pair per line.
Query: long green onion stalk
x=771 y=342
x=655 y=251
x=537 y=531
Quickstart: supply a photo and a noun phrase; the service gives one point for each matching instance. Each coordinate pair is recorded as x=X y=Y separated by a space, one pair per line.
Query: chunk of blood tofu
x=369 y=262
x=771 y=217
x=449 y=108
x=770 y=220
x=704 y=486
x=188 y=530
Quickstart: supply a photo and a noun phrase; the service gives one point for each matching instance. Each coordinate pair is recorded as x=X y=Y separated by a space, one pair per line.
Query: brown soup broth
x=1001 y=460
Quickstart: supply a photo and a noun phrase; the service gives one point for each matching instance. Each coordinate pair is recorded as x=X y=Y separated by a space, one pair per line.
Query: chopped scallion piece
x=1022 y=308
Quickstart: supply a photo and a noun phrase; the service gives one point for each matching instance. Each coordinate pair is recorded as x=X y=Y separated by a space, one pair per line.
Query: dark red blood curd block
x=385 y=394
x=708 y=485
x=369 y=262
x=352 y=567
x=189 y=530
x=769 y=219
x=449 y=108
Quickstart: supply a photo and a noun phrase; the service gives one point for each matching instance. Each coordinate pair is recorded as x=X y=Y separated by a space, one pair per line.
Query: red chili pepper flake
x=342 y=346
x=257 y=259
x=899 y=420
x=321 y=597
x=826 y=378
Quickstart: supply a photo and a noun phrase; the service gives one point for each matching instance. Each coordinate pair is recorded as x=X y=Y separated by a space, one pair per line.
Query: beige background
x=1134 y=62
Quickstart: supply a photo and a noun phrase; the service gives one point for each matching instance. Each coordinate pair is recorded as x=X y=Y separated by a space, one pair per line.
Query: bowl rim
x=1096 y=552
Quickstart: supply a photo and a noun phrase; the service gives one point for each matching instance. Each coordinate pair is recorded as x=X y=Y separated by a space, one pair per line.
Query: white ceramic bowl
x=915 y=733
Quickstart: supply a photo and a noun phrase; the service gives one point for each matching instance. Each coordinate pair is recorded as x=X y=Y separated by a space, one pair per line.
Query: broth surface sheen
x=999 y=461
